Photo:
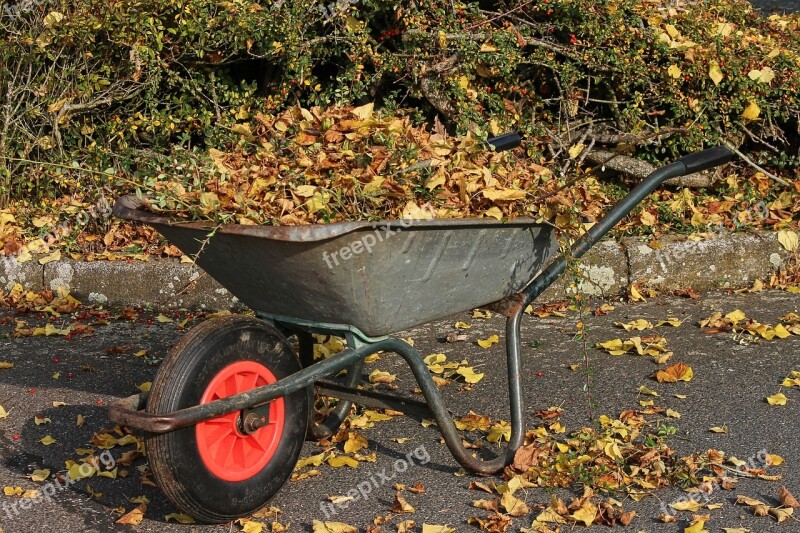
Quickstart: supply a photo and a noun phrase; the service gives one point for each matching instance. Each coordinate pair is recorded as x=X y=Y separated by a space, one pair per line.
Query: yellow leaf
x=777 y=399
x=687 y=505
x=788 y=239
x=332 y=527
x=697 y=527
x=55 y=256
x=47 y=440
x=736 y=316
x=635 y=294
x=365 y=111
x=495 y=194
x=638 y=325
x=53 y=19
x=134 y=517
x=752 y=111
x=314 y=460
x=489 y=341
x=342 y=460
x=251 y=526
x=764 y=75
x=355 y=442
x=674 y=71
x=428 y=528
x=5 y=366
x=144 y=387
x=586 y=514
x=163 y=319
x=80 y=471
x=379 y=376
x=470 y=376
x=715 y=73
x=513 y=505
x=644 y=390
x=576 y=150
x=462 y=325
x=500 y=431
x=774 y=460
x=180 y=518
x=40 y=475
x=3 y=412
x=12 y=491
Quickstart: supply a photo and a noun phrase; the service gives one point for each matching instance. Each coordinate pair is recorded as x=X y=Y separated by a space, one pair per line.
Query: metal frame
x=127 y=412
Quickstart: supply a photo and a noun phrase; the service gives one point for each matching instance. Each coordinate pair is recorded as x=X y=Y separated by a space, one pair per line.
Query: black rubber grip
x=710 y=158
x=505 y=142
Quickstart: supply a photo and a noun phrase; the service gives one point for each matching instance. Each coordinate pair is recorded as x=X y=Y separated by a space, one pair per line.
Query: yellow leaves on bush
x=752 y=111
x=715 y=73
x=675 y=373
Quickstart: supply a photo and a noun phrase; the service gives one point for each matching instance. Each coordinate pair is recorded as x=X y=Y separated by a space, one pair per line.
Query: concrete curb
x=732 y=260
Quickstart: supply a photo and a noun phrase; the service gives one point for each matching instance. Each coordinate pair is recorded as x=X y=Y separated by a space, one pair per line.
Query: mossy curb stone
x=728 y=261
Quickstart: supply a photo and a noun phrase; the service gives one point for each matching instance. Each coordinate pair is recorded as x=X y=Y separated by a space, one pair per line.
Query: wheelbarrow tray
x=379 y=277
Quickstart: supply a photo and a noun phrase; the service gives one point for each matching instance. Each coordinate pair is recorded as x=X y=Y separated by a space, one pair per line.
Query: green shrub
x=116 y=85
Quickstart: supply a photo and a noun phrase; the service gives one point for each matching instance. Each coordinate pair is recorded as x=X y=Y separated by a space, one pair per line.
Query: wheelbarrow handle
x=687 y=164
x=506 y=141
x=710 y=158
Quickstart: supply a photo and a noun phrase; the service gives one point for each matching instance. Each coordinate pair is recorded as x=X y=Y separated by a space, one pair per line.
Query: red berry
x=99 y=402
x=56 y=359
x=69 y=375
x=31 y=391
x=15 y=437
x=539 y=374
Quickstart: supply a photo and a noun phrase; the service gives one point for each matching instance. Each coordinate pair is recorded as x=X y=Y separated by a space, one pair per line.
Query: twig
x=755 y=165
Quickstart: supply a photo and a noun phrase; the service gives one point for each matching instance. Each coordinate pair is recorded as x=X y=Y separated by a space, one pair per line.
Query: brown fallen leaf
x=675 y=373
x=135 y=517
x=787 y=499
x=401 y=505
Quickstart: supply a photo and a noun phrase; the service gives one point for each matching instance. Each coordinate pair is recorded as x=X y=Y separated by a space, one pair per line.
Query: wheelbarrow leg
x=331 y=424
x=446 y=426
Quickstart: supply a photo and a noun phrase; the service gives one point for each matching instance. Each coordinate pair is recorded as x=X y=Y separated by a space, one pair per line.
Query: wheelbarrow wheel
x=220 y=469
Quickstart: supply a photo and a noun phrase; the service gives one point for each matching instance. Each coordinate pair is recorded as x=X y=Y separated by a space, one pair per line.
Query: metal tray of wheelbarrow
x=380 y=277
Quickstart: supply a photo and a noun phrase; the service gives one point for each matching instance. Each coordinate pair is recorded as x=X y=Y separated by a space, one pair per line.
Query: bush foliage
x=120 y=85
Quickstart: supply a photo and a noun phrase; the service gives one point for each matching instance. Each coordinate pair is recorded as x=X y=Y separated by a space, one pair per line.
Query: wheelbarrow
x=232 y=403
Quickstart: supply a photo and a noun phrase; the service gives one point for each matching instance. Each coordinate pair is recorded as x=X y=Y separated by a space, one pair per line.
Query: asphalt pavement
x=777 y=6
x=733 y=374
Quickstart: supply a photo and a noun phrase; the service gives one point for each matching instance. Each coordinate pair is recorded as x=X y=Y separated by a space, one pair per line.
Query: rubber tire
x=183 y=377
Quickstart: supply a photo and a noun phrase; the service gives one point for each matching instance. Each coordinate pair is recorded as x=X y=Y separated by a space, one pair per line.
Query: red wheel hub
x=226 y=451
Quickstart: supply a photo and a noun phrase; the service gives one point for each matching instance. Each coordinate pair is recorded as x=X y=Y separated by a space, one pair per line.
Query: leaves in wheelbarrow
x=332 y=527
